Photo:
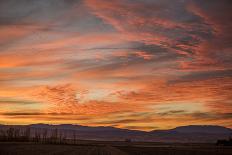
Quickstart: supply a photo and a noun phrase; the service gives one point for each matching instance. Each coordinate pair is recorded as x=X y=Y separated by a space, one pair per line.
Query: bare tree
x=37 y=136
x=27 y=134
x=54 y=135
x=45 y=133
x=10 y=133
x=62 y=136
x=3 y=135
x=74 y=136
x=16 y=134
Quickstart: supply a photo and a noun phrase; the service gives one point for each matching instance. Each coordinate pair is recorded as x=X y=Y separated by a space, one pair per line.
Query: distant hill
x=209 y=129
x=192 y=133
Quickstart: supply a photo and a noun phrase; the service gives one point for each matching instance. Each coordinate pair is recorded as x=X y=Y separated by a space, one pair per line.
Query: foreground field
x=102 y=149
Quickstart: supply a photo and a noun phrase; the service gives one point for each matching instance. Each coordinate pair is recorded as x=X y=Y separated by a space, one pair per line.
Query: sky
x=135 y=64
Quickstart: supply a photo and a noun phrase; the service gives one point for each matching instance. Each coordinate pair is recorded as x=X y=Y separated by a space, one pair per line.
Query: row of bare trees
x=36 y=135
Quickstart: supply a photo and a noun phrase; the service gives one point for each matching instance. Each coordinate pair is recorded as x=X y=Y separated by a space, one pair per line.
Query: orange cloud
x=139 y=65
x=144 y=55
x=11 y=33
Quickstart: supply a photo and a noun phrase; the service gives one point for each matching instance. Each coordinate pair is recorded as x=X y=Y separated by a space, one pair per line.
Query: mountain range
x=191 y=133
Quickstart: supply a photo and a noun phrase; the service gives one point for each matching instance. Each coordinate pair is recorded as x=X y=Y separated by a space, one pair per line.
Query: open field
x=26 y=148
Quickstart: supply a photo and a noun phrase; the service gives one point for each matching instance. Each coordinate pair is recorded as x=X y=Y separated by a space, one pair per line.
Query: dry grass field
x=13 y=148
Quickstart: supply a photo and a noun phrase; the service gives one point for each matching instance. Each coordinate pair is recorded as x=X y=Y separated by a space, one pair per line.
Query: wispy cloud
x=126 y=63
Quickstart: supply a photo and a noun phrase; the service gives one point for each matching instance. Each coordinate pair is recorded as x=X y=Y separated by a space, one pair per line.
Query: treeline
x=36 y=135
x=225 y=142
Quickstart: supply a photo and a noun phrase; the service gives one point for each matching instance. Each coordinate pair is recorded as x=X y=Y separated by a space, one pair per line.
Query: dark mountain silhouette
x=209 y=129
x=192 y=133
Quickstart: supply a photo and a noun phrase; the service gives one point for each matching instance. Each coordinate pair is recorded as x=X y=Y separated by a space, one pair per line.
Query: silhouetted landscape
x=184 y=134
x=76 y=139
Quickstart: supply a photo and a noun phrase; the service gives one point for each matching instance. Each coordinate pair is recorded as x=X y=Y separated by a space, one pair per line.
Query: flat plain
x=100 y=148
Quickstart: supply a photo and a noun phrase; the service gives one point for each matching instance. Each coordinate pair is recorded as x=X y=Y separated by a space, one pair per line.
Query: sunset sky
x=135 y=64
